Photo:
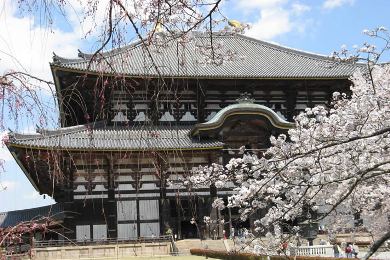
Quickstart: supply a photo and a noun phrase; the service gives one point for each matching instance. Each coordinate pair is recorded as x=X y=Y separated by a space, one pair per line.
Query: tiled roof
x=251 y=58
x=12 y=218
x=103 y=138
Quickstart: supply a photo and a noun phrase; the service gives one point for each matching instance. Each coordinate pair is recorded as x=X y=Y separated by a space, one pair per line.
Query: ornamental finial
x=56 y=58
x=245 y=98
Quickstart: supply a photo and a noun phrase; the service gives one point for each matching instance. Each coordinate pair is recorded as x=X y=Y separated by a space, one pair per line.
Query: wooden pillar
x=202 y=211
x=267 y=97
x=164 y=209
x=200 y=104
x=111 y=207
x=215 y=228
x=138 y=186
x=179 y=217
x=230 y=222
x=154 y=112
x=165 y=215
x=69 y=209
x=291 y=100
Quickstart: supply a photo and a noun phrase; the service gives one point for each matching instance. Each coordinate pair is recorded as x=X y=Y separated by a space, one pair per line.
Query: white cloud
x=275 y=17
x=330 y=4
x=87 y=18
x=298 y=8
x=272 y=22
x=27 y=46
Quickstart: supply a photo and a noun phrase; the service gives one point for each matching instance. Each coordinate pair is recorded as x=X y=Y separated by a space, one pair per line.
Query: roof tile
x=110 y=138
x=253 y=59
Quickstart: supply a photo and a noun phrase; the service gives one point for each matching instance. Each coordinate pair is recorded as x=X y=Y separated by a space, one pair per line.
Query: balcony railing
x=105 y=241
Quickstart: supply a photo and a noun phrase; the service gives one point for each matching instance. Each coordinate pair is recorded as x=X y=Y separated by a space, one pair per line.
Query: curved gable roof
x=245 y=108
x=236 y=56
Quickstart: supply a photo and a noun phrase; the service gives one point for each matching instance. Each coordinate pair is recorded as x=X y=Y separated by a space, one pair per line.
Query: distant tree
x=333 y=165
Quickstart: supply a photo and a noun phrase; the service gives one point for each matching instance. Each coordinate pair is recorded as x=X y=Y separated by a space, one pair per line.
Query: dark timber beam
x=69 y=210
x=111 y=202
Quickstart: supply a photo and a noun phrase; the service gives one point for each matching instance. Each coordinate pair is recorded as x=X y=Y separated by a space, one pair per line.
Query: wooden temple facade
x=135 y=122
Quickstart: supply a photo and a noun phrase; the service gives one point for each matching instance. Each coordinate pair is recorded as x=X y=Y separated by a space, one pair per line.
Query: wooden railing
x=107 y=241
x=318 y=250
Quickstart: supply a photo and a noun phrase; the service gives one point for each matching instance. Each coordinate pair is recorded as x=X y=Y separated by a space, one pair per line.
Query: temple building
x=136 y=120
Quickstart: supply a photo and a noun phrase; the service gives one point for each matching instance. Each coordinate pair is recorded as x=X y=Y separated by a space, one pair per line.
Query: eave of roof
x=100 y=138
x=56 y=68
x=12 y=218
x=26 y=173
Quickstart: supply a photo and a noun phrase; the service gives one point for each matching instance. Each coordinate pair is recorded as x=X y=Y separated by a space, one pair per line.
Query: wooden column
x=179 y=217
x=164 y=207
x=202 y=210
x=154 y=112
x=215 y=228
x=165 y=215
x=111 y=207
x=69 y=209
x=200 y=104
x=138 y=186
x=291 y=100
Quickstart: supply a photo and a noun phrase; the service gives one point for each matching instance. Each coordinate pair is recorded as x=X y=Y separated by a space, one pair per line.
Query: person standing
x=336 y=250
x=355 y=250
x=348 y=250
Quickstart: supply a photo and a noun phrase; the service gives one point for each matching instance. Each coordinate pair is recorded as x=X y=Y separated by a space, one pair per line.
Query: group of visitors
x=350 y=250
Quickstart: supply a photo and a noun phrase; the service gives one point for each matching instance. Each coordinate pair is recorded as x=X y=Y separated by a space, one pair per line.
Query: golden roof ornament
x=159 y=28
x=235 y=24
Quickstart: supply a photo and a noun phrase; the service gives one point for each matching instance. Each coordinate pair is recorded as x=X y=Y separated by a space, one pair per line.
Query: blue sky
x=319 y=26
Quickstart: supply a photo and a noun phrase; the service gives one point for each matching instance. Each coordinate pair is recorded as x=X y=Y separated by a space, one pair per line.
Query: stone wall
x=102 y=251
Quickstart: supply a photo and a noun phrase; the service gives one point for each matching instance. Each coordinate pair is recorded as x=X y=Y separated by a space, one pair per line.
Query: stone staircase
x=185 y=245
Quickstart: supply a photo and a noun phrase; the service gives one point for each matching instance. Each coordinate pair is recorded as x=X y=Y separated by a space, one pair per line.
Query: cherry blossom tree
x=14 y=236
x=334 y=162
x=333 y=165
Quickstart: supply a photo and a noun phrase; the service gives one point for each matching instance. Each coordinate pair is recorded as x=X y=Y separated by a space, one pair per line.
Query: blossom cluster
x=334 y=164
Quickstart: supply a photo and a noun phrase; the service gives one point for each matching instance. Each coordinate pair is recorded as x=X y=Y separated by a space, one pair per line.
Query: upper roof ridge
x=113 y=51
x=59 y=59
x=84 y=56
x=296 y=51
x=56 y=132
x=95 y=126
x=72 y=129
x=197 y=34
x=267 y=59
